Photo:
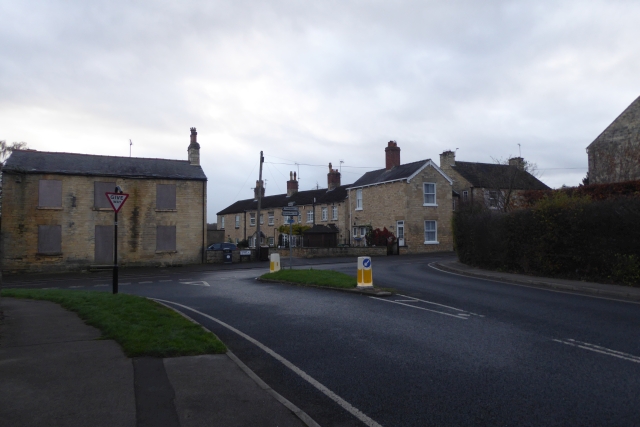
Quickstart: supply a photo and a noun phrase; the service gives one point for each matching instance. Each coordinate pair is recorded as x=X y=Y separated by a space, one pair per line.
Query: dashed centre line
x=599 y=349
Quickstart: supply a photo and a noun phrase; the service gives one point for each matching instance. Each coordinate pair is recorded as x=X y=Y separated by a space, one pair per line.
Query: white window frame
x=465 y=196
x=252 y=219
x=334 y=213
x=355 y=231
x=261 y=219
x=359 y=199
x=271 y=241
x=434 y=231
x=237 y=221
x=271 y=218
x=222 y=222
x=425 y=194
x=363 y=231
x=310 y=216
x=493 y=205
x=325 y=213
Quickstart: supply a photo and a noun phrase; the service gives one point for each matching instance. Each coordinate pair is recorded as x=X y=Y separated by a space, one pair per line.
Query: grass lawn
x=140 y=326
x=329 y=278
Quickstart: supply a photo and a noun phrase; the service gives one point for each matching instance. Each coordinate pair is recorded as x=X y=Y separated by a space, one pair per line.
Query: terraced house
x=325 y=210
x=414 y=201
x=56 y=216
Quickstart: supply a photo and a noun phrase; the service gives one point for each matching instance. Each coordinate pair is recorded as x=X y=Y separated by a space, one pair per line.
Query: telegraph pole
x=258 y=245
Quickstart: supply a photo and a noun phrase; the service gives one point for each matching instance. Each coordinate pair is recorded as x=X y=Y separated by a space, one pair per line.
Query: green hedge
x=565 y=236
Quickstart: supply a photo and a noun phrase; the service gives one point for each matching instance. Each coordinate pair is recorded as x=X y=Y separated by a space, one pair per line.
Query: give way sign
x=117 y=200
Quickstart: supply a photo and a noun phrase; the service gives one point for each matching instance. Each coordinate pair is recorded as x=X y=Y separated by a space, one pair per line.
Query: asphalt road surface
x=446 y=350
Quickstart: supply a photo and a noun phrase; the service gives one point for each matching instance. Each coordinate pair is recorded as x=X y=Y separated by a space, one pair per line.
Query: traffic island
x=325 y=279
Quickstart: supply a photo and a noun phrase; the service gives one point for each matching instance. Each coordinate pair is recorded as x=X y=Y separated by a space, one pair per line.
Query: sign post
x=116 y=200
x=290 y=211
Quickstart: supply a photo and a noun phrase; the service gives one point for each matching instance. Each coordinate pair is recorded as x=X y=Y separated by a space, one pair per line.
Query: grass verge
x=328 y=278
x=142 y=327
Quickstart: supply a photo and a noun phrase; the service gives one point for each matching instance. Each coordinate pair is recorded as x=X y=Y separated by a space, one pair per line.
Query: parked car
x=222 y=246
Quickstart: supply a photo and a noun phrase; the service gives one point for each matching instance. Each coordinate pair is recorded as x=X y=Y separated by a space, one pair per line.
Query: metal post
x=258 y=245
x=115 y=254
x=290 y=257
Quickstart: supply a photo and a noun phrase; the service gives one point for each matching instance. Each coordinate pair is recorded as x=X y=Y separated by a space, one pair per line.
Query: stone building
x=325 y=206
x=414 y=201
x=56 y=215
x=614 y=156
x=497 y=186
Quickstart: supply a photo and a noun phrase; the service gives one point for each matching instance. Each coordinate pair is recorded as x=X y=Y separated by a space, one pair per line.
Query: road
x=445 y=350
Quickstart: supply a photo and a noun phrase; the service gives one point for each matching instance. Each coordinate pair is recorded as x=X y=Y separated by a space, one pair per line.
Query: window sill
x=429 y=204
x=431 y=243
x=51 y=254
x=50 y=208
x=166 y=210
x=102 y=209
x=166 y=252
x=359 y=209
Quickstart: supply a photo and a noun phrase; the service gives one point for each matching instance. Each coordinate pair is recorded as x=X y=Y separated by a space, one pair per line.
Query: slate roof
x=31 y=161
x=626 y=124
x=489 y=175
x=383 y=175
x=300 y=198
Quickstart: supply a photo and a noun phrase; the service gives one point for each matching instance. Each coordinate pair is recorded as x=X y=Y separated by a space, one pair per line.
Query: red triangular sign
x=117 y=200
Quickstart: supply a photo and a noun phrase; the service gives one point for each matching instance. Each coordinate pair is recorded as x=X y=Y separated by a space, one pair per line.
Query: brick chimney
x=447 y=159
x=292 y=184
x=517 y=162
x=259 y=187
x=392 y=153
x=194 y=149
x=333 y=178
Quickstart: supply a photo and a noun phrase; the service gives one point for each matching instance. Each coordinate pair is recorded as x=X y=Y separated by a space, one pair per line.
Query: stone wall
x=345 y=251
x=385 y=204
x=137 y=222
x=216 y=257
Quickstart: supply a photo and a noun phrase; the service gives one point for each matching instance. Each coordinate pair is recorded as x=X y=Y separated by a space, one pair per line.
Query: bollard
x=274 y=263
x=365 y=276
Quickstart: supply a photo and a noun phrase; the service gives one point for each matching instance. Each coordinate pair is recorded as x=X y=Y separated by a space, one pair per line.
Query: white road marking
x=420 y=308
x=599 y=349
x=340 y=401
x=148 y=281
x=198 y=283
x=578 y=293
x=434 y=303
x=96 y=286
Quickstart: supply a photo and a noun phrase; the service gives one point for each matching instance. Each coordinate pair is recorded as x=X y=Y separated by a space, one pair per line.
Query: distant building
x=56 y=216
x=614 y=156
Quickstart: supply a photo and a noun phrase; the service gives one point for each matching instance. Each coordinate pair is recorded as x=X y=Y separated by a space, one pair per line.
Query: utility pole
x=259 y=203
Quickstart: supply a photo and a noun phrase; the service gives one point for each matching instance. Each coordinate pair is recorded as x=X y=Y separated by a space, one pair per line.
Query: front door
x=104 y=245
x=400 y=228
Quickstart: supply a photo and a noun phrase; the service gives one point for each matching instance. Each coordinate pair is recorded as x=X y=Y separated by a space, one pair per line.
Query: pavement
x=603 y=290
x=56 y=371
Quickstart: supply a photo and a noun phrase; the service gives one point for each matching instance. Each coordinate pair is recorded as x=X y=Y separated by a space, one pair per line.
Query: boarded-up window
x=166 y=238
x=104 y=245
x=49 y=239
x=50 y=193
x=165 y=196
x=100 y=200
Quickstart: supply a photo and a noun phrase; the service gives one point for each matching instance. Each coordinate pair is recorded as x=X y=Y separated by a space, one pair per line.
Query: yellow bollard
x=274 y=263
x=365 y=275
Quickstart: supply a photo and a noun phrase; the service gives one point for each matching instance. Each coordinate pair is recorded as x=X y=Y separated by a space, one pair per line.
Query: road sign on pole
x=290 y=211
x=117 y=200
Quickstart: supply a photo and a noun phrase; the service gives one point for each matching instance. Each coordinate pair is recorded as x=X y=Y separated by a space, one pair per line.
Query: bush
x=564 y=235
x=379 y=237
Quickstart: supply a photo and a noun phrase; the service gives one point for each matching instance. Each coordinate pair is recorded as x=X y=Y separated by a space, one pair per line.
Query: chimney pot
x=392 y=155
x=292 y=184
x=194 y=149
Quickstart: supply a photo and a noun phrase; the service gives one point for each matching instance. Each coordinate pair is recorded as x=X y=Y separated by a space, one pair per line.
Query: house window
x=429 y=194
x=252 y=219
x=325 y=214
x=222 y=222
x=100 y=200
x=363 y=231
x=261 y=219
x=237 y=221
x=430 y=232
x=166 y=238
x=355 y=231
x=465 y=196
x=271 y=241
x=50 y=239
x=166 y=197
x=50 y=193
x=271 y=219
x=251 y=245
x=493 y=199
x=309 y=216
x=299 y=218
x=359 y=199
x=334 y=213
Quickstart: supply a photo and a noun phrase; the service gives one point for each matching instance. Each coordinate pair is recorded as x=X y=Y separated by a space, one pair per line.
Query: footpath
x=599 y=289
x=56 y=371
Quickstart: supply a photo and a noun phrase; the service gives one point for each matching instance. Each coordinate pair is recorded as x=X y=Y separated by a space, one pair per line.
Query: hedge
x=562 y=235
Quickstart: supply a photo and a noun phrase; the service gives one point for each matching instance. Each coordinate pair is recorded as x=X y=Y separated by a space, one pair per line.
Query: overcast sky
x=317 y=82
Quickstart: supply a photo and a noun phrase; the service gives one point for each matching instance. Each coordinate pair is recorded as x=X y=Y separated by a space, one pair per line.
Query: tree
x=506 y=182
x=7 y=149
